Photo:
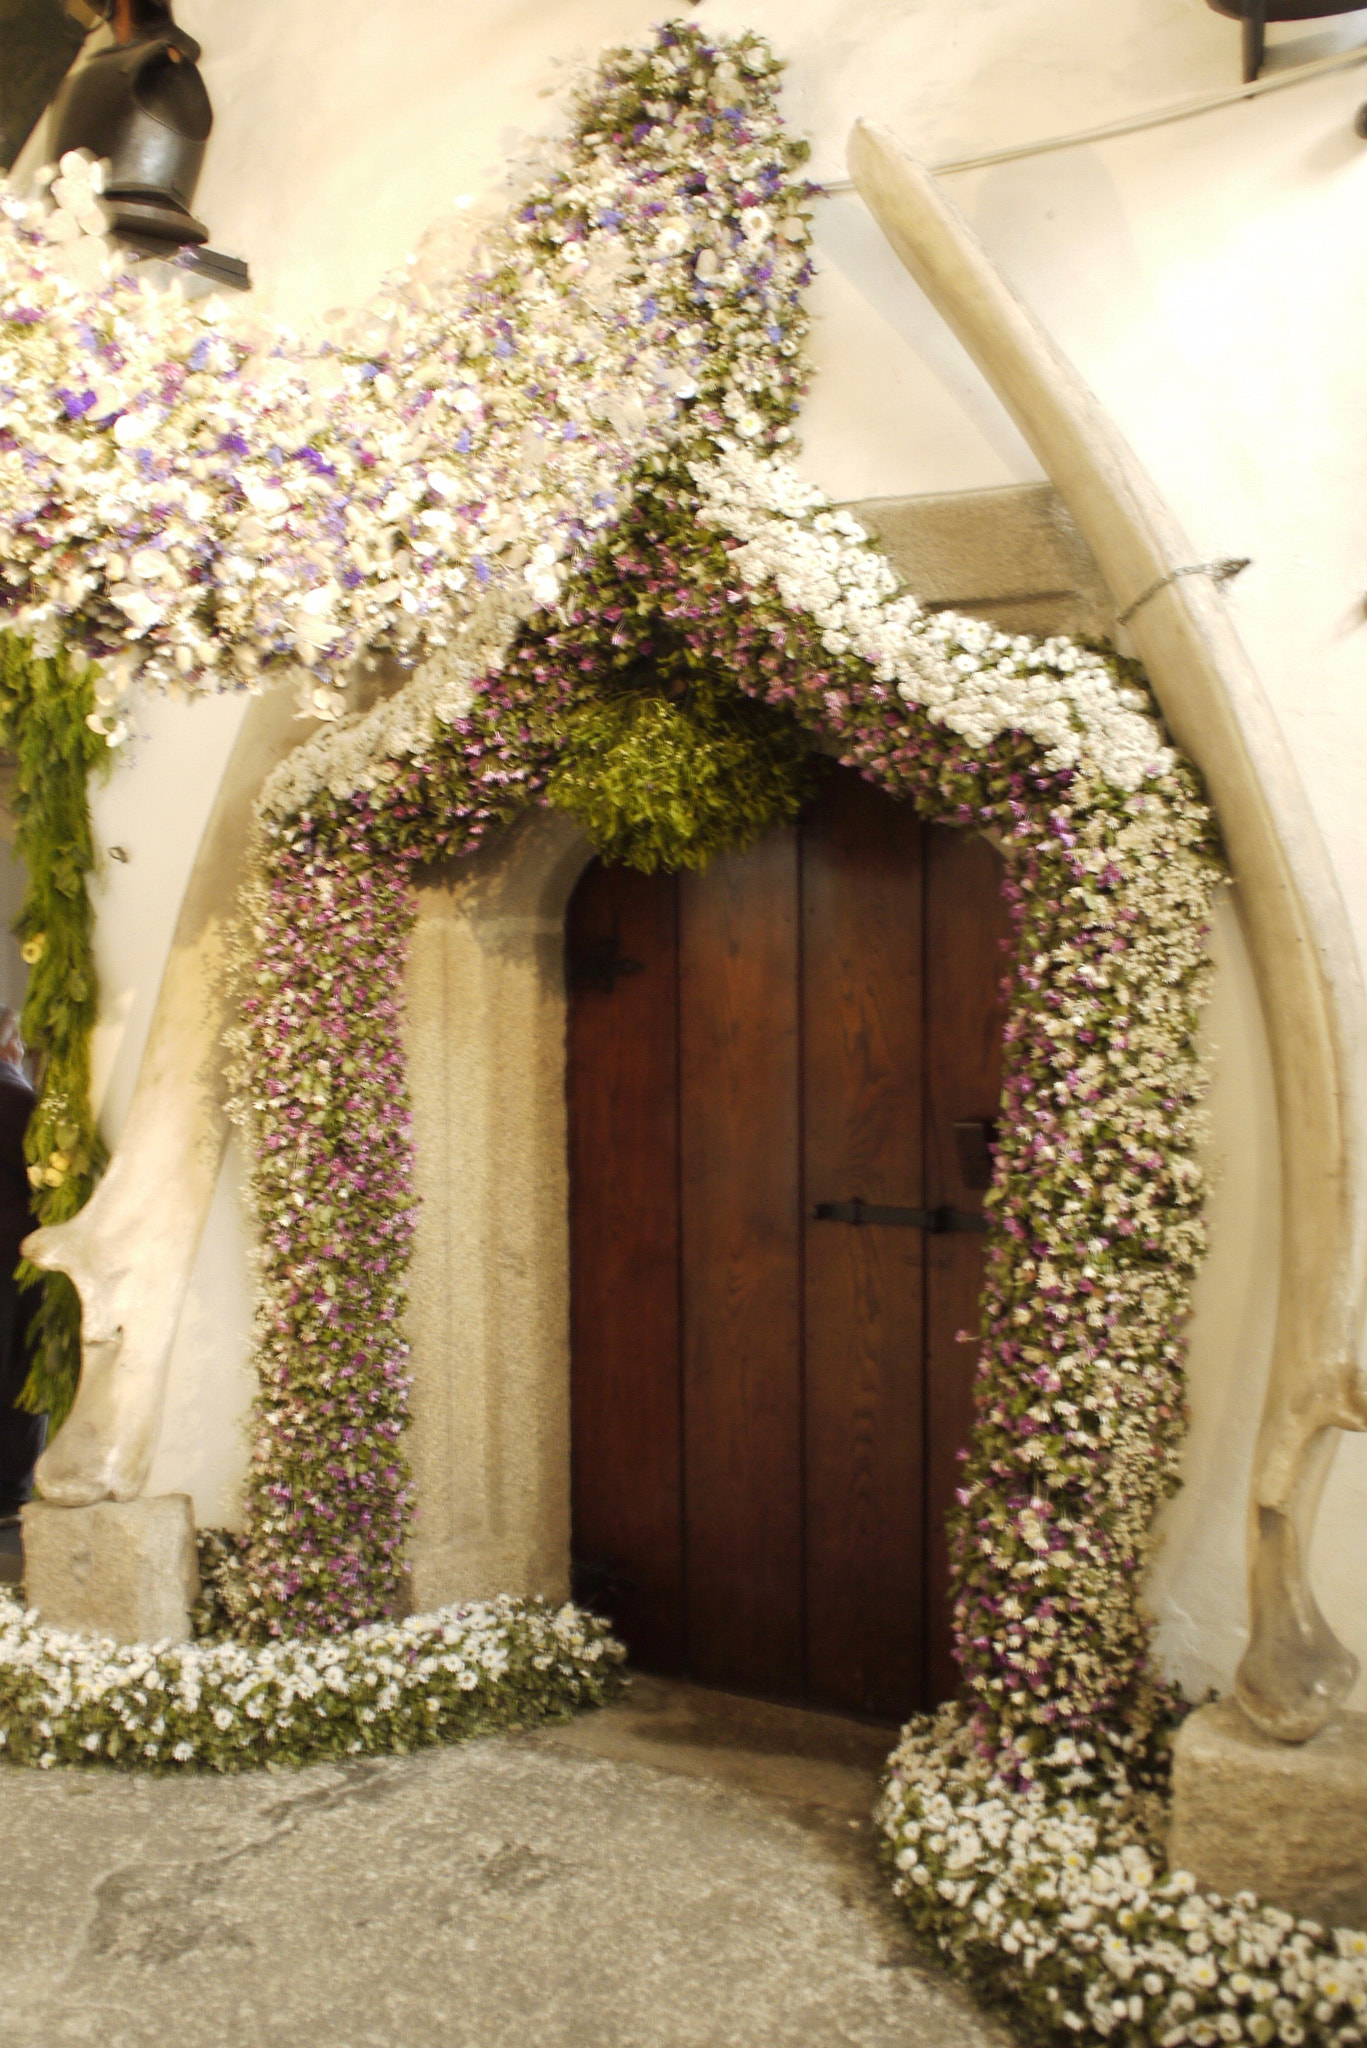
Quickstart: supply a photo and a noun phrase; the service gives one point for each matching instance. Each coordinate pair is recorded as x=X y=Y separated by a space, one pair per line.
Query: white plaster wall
x=152 y=808
x=1210 y=280
x=149 y=813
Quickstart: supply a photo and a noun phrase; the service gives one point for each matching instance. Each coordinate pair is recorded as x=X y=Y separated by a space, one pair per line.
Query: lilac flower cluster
x=328 y=1489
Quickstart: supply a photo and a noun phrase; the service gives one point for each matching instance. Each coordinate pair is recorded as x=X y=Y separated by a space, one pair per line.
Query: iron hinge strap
x=936 y=1221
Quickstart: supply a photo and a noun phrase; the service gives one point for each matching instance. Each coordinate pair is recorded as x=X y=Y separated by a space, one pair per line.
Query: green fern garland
x=44 y=707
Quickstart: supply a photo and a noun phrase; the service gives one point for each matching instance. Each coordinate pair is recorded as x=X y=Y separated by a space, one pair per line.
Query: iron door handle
x=936 y=1221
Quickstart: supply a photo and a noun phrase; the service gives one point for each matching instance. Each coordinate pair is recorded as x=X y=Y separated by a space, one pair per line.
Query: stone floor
x=684 y=1871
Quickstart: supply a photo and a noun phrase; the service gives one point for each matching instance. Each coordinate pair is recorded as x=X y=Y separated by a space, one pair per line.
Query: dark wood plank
x=966 y=924
x=738 y=1068
x=622 y=1083
x=863 y=1102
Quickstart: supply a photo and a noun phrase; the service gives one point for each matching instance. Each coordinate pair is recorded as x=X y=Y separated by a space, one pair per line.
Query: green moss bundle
x=671 y=780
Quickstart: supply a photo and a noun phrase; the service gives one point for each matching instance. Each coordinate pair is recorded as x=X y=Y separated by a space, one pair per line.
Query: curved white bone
x=1295 y=1671
x=131 y=1250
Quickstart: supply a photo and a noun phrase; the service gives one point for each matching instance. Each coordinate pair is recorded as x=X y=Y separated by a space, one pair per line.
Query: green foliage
x=44 y=706
x=225 y=1604
x=667 y=775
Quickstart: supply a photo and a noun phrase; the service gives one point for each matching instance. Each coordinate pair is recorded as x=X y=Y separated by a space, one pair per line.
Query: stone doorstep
x=1285 y=1820
x=126 y=1569
x=818 y=1762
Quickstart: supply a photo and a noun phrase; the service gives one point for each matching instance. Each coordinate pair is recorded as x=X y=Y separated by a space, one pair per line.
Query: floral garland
x=196 y=497
x=1052 y=1901
x=1096 y=1202
x=441 y=1677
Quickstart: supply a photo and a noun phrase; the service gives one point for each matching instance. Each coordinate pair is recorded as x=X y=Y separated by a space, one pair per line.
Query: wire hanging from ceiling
x=1135 y=124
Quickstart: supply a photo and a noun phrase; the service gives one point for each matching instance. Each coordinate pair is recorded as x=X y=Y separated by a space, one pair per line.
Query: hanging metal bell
x=143 y=105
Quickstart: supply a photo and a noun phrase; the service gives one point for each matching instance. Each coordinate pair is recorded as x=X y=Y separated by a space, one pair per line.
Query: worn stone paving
x=682 y=1872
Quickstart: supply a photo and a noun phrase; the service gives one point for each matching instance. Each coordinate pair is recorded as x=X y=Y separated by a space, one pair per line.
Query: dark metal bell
x=1256 y=14
x=143 y=105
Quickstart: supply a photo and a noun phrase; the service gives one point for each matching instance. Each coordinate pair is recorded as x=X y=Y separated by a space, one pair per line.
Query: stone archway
x=488 y=1317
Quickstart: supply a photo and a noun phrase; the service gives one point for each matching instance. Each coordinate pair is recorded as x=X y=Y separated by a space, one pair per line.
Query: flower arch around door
x=731 y=622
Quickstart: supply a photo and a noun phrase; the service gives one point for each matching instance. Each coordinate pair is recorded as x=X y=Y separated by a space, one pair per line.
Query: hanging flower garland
x=196 y=497
x=192 y=498
x=44 y=710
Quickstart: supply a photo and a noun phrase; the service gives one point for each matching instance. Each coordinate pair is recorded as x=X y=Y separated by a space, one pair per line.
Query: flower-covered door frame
x=734 y=568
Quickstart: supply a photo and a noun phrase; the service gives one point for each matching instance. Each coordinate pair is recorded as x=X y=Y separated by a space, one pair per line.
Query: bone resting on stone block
x=125 y=1569
x=1287 y=1821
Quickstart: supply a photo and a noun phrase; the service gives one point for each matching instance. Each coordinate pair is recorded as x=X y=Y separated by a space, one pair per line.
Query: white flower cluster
x=79 y=219
x=363 y=753
x=391 y=1686
x=1061 y=1903
x=962 y=672
x=197 y=497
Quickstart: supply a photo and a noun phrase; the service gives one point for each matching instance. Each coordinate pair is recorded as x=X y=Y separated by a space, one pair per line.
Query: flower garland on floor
x=439 y=1677
x=1052 y=1901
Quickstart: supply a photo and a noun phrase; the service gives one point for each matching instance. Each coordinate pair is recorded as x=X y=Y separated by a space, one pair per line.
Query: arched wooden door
x=782 y=1077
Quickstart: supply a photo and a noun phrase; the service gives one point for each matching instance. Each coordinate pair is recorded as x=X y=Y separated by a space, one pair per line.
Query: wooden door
x=863 y=1000
x=767 y=1402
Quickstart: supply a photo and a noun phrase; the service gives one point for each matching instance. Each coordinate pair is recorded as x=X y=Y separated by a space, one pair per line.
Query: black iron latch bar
x=600 y=964
x=936 y=1221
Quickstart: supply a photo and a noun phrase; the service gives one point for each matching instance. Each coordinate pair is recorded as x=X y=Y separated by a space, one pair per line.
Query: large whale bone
x=1295 y=1671
x=131 y=1250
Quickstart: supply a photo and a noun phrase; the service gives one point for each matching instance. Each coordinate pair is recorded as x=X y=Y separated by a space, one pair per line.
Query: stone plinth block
x=1285 y=1820
x=125 y=1569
